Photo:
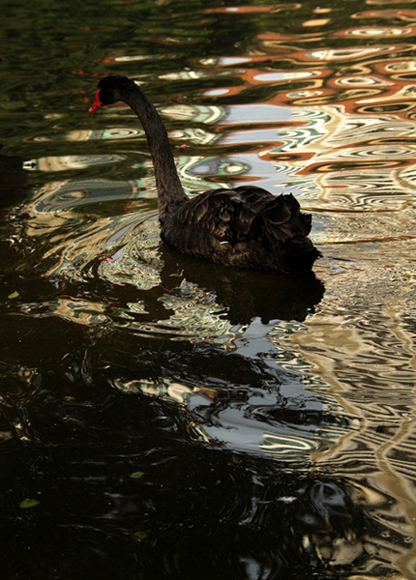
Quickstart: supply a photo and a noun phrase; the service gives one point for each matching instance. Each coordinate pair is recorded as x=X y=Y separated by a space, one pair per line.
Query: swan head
x=110 y=90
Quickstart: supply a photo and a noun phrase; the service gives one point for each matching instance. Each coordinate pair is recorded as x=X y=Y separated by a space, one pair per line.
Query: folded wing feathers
x=248 y=213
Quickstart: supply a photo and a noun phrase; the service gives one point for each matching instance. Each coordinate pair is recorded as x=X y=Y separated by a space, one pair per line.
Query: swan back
x=245 y=227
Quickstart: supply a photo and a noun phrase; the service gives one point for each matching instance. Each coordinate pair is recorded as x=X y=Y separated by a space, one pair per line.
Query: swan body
x=245 y=227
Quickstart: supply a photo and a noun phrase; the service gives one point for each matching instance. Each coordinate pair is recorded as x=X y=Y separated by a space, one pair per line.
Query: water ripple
x=121 y=358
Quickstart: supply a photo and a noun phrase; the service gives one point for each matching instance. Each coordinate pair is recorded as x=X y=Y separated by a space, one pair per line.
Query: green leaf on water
x=27 y=503
x=140 y=535
x=175 y=275
x=14 y=294
x=136 y=474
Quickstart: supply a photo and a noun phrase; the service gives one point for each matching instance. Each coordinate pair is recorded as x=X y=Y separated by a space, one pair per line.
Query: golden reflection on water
x=362 y=345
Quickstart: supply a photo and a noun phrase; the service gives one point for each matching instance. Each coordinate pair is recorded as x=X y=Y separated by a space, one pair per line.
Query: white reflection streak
x=286 y=445
x=54 y=164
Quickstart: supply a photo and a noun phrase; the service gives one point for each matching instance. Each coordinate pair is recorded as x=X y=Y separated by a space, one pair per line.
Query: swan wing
x=280 y=219
x=246 y=213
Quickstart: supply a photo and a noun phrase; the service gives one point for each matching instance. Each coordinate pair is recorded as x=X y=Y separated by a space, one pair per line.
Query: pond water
x=166 y=418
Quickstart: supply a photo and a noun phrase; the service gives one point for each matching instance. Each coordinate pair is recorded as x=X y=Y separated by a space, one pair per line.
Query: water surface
x=166 y=418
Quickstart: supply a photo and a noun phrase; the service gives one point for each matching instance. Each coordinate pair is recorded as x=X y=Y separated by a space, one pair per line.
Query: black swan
x=246 y=227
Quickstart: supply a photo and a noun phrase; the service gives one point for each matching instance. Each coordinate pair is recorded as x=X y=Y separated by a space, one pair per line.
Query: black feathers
x=245 y=227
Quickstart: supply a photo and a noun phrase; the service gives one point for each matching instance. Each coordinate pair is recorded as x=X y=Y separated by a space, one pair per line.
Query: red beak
x=97 y=103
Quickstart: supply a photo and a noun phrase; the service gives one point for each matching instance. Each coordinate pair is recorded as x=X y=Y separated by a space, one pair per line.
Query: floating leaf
x=140 y=535
x=13 y=295
x=27 y=503
x=136 y=474
x=175 y=275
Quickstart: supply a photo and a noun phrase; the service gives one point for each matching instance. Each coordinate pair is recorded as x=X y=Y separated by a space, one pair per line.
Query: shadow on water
x=246 y=294
x=241 y=295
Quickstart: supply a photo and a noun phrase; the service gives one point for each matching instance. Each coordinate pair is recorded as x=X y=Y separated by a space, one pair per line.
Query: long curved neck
x=169 y=188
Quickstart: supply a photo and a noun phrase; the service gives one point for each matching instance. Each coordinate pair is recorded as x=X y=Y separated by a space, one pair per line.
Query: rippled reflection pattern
x=163 y=408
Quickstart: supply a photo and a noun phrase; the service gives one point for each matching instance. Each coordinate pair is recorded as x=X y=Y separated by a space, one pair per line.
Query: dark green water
x=165 y=418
